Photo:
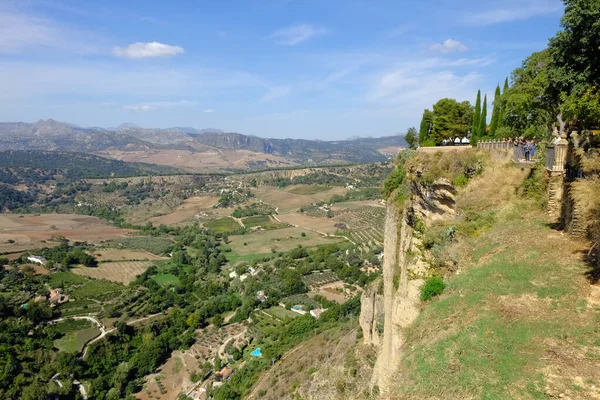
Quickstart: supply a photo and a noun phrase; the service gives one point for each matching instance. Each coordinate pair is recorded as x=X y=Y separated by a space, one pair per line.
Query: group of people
x=527 y=146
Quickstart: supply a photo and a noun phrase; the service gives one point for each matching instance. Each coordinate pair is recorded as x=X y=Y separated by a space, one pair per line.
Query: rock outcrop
x=371 y=310
x=404 y=270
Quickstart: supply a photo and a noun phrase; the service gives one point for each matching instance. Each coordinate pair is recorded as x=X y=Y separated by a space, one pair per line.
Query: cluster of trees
x=449 y=119
x=233 y=197
x=359 y=194
x=253 y=209
x=68 y=255
x=556 y=87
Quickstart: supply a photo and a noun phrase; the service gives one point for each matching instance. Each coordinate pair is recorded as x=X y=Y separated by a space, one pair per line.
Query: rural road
x=75 y=382
x=234 y=337
x=98 y=324
x=101 y=327
x=308 y=229
x=103 y=333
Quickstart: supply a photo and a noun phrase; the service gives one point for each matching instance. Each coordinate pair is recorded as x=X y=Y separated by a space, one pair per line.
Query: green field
x=263 y=221
x=234 y=257
x=78 y=307
x=308 y=189
x=98 y=290
x=284 y=239
x=166 y=279
x=154 y=245
x=222 y=225
x=72 y=325
x=74 y=342
x=281 y=313
x=66 y=278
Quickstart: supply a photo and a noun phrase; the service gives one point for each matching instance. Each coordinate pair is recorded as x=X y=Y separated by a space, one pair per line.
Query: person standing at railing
x=527 y=150
x=533 y=148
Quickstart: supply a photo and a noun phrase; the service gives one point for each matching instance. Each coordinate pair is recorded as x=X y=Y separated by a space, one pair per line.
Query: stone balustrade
x=494 y=145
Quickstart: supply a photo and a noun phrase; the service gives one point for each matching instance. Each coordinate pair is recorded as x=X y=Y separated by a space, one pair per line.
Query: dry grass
x=122 y=272
x=495 y=187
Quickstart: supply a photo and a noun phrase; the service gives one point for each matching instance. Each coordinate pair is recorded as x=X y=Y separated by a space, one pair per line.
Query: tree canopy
x=451 y=119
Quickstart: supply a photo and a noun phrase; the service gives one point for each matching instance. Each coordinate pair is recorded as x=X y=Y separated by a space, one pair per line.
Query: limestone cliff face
x=371 y=310
x=404 y=269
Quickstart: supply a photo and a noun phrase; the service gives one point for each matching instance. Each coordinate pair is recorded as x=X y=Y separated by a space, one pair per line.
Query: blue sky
x=274 y=68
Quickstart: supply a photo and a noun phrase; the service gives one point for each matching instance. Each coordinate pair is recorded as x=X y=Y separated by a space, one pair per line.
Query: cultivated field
x=335 y=291
x=284 y=239
x=189 y=209
x=286 y=200
x=104 y=255
x=29 y=231
x=324 y=225
x=222 y=225
x=122 y=272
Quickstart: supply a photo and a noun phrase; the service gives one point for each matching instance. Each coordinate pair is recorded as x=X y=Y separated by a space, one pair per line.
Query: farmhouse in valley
x=37 y=259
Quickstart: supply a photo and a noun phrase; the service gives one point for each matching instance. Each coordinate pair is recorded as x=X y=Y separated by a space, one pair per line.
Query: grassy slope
x=519 y=322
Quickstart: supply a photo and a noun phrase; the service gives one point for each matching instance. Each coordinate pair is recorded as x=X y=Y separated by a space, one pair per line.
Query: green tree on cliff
x=411 y=138
x=483 y=121
x=451 y=119
x=476 y=119
x=426 y=122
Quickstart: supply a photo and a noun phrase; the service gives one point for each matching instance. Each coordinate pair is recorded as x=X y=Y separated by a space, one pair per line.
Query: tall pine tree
x=495 y=113
x=483 y=121
x=505 y=85
x=476 y=119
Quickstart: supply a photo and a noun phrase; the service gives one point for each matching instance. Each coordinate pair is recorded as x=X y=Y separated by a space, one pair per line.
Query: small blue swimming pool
x=256 y=353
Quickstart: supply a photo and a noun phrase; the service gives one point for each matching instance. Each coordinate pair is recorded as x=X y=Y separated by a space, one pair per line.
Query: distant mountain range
x=129 y=138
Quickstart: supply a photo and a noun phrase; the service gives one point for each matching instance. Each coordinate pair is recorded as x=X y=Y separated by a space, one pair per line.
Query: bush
x=432 y=287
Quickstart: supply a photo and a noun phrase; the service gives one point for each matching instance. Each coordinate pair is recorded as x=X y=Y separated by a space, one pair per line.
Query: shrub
x=432 y=287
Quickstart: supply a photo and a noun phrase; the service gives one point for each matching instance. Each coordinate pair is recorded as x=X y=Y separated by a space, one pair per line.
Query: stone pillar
x=556 y=182
x=560 y=153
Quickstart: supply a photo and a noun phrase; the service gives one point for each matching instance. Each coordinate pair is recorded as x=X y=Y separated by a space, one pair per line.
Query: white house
x=316 y=313
x=37 y=259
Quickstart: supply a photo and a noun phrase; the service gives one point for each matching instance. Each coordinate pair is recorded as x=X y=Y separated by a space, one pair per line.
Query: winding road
x=103 y=333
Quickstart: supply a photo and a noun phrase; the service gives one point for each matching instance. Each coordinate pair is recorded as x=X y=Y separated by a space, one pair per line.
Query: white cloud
x=137 y=108
x=448 y=46
x=208 y=111
x=155 y=105
x=146 y=50
x=416 y=85
x=514 y=11
x=297 y=34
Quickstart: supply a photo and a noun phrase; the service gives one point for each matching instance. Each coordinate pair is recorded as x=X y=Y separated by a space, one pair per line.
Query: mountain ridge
x=60 y=136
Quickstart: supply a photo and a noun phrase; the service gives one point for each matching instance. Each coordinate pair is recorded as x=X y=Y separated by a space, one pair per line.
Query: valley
x=214 y=263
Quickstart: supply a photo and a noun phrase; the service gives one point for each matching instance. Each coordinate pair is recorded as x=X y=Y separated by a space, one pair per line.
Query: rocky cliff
x=404 y=271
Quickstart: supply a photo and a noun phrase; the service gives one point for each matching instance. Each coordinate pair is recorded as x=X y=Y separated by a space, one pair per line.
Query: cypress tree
x=483 y=120
x=424 y=127
x=495 y=113
x=503 y=108
x=476 y=119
